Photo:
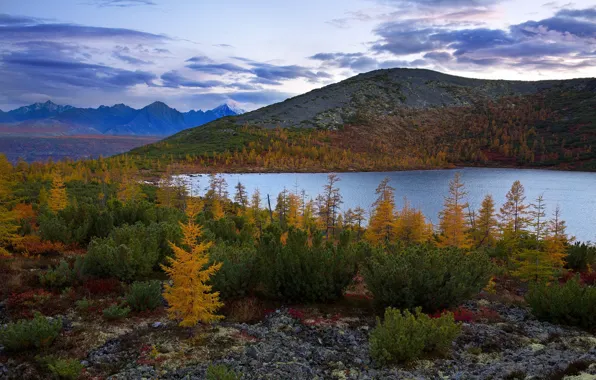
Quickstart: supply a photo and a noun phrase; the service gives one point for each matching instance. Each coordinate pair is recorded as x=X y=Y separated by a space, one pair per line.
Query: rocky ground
x=305 y=344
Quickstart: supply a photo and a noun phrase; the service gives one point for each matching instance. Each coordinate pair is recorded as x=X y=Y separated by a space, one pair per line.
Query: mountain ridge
x=155 y=119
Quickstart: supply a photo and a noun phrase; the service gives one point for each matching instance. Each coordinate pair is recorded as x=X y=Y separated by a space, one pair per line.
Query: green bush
x=238 y=274
x=145 y=295
x=115 y=312
x=220 y=372
x=299 y=271
x=570 y=303
x=66 y=369
x=83 y=304
x=129 y=252
x=425 y=276
x=38 y=332
x=59 y=277
x=403 y=336
x=580 y=255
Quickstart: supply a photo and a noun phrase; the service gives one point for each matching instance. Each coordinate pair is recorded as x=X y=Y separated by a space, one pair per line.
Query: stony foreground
x=289 y=345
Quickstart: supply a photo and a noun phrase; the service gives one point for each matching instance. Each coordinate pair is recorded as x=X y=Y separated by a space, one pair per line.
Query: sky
x=197 y=54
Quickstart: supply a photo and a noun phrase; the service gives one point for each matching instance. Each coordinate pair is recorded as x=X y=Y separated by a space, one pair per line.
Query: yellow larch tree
x=58 y=199
x=381 y=226
x=485 y=233
x=190 y=299
x=411 y=226
x=130 y=188
x=453 y=226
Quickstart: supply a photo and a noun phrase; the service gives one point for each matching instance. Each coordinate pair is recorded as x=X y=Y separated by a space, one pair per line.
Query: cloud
x=472 y=39
x=122 y=3
x=223 y=45
x=405 y=37
x=440 y=3
x=175 y=80
x=41 y=31
x=355 y=61
x=6 y=19
x=130 y=59
x=52 y=69
x=564 y=25
x=439 y=56
x=254 y=98
x=589 y=13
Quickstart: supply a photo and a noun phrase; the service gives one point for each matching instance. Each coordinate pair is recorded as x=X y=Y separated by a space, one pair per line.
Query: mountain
x=156 y=119
x=37 y=111
x=47 y=130
x=406 y=119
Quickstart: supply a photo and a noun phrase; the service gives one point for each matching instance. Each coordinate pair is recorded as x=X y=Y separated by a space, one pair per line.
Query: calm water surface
x=575 y=192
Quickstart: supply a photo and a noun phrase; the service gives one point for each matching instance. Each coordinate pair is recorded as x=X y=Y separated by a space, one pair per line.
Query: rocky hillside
x=382 y=92
x=401 y=119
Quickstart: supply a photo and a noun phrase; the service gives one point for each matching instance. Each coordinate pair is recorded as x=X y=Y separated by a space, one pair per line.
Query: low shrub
x=115 y=312
x=33 y=245
x=220 y=372
x=38 y=332
x=305 y=269
x=64 y=369
x=580 y=256
x=58 y=277
x=237 y=276
x=570 y=303
x=426 y=276
x=129 y=252
x=144 y=295
x=403 y=336
x=84 y=304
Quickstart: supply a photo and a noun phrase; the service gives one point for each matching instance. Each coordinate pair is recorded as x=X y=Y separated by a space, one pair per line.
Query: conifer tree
x=453 y=224
x=58 y=199
x=411 y=226
x=537 y=265
x=538 y=215
x=514 y=213
x=240 y=197
x=328 y=205
x=190 y=299
x=381 y=227
x=486 y=223
x=359 y=216
x=254 y=212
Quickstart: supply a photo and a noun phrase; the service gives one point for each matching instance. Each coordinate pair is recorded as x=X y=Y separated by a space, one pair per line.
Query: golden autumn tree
x=381 y=226
x=191 y=300
x=58 y=199
x=411 y=226
x=130 y=188
x=485 y=233
x=537 y=265
x=452 y=223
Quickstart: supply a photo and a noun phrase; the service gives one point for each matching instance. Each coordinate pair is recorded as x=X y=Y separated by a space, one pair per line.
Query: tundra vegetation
x=93 y=260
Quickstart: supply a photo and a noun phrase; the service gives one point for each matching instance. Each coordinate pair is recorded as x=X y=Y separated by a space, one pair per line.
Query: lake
x=574 y=192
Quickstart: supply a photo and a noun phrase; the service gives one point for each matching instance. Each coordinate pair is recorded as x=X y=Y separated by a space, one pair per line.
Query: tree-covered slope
x=400 y=119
